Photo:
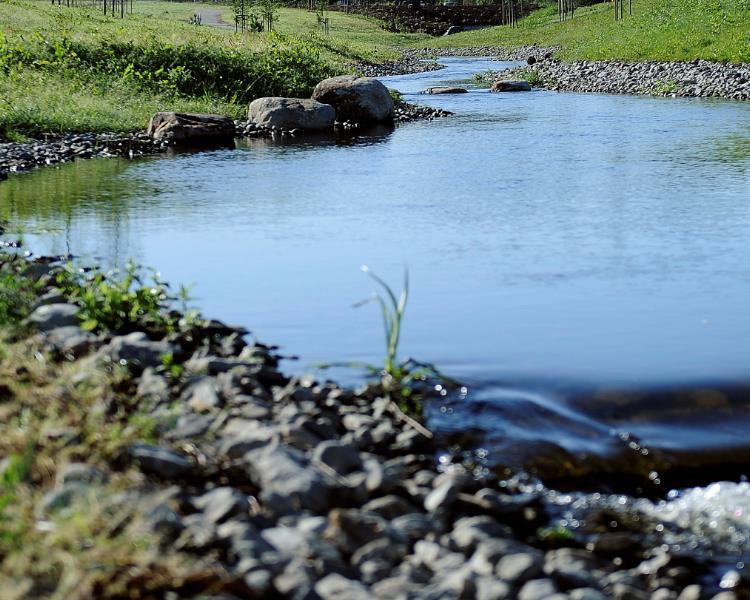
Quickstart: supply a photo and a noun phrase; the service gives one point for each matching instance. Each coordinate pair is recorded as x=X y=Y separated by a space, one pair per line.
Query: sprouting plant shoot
x=393 y=309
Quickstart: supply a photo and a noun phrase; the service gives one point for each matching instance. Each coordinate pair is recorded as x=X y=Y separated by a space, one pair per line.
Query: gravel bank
x=288 y=487
x=411 y=61
x=19 y=157
x=497 y=52
x=701 y=79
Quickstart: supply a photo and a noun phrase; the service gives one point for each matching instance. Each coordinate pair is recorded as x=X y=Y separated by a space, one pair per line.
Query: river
x=578 y=260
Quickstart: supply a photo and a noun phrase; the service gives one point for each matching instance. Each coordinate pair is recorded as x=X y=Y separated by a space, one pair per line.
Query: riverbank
x=678 y=31
x=151 y=449
x=697 y=79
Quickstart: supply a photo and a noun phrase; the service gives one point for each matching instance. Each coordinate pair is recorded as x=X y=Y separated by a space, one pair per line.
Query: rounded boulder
x=359 y=99
x=291 y=113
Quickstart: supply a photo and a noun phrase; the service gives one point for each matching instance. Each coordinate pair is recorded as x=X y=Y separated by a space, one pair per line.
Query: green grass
x=73 y=69
x=717 y=30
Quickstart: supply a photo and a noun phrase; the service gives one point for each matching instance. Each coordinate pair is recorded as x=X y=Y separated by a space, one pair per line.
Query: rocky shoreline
x=268 y=486
x=697 y=79
x=16 y=157
x=500 y=53
x=20 y=157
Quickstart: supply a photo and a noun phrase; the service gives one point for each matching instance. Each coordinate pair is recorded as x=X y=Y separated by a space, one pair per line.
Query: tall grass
x=716 y=30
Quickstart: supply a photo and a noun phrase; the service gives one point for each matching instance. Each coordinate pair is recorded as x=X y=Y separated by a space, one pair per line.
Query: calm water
x=557 y=244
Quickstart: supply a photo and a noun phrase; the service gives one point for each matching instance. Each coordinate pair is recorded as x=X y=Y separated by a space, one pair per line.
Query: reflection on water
x=557 y=244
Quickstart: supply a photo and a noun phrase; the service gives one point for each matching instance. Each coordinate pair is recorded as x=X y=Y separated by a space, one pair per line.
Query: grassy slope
x=716 y=30
x=50 y=99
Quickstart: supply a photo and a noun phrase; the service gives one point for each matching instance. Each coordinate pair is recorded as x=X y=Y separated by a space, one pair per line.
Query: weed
x=122 y=302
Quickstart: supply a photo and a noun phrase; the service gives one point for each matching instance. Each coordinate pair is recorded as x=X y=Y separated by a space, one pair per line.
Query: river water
x=579 y=261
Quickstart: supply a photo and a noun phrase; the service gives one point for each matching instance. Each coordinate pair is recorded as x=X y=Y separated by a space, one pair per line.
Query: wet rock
x=51 y=316
x=359 y=99
x=137 y=348
x=190 y=129
x=414 y=526
x=619 y=543
x=337 y=587
x=586 y=594
x=691 y=592
x=292 y=113
x=511 y=86
x=160 y=461
x=445 y=90
x=254 y=438
x=296 y=581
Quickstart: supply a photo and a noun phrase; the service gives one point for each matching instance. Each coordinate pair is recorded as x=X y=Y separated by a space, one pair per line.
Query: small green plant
x=532 y=76
x=393 y=314
x=665 y=88
x=121 y=302
x=16 y=296
x=555 y=535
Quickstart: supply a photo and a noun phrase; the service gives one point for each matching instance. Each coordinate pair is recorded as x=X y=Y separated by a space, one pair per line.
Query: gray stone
x=160 y=461
x=188 y=128
x=359 y=99
x=586 y=594
x=202 y=396
x=288 y=482
x=445 y=90
x=70 y=340
x=573 y=567
x=350 y=529
x=537 y=589
x=338 y=587
x=190 y=426
x=152 y=387
x=221 y=503
x=137 y=348
x=292 y=113
x=511 y=86
x=383 y=549
x=414 y=526
x=51 y=316
x=516 y=568
x=236 y=446
x=690 y=592
x=341 y=458
x=444 y=494
x=389 y=507
x=489 y=588
x=468 y=532
x=62 y=498
x=296 y=581
x=165 y=522
x=80 y=473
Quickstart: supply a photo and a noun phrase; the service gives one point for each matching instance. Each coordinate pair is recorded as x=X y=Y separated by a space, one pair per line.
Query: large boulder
x=511 y=86
x=187 y=128
x=359 y=99
x=291 y=113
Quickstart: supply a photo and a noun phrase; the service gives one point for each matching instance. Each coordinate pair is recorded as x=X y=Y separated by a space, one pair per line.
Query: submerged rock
x=511 y=86
x=445 y=90
x=291 y=113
